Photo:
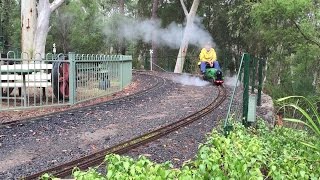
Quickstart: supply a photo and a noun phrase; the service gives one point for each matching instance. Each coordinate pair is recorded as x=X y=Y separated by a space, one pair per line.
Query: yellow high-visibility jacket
x=208 y=56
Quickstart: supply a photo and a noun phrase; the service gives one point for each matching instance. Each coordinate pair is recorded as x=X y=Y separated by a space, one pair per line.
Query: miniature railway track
x=96 y=158
x=159 y=83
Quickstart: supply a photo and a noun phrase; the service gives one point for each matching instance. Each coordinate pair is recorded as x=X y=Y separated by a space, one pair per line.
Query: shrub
x=247 y=153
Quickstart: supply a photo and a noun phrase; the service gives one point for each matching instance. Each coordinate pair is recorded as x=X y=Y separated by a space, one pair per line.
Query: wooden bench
x=39 y=79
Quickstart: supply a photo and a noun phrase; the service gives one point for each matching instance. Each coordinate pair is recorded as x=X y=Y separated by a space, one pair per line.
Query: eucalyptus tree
x=28 y=26
x=78 y=27
x=154 y=17
x=290 y=29
x=190 y=16
x=122 y=42
x=35 y=16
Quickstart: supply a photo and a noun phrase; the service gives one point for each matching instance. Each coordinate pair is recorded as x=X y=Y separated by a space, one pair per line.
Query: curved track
x=158 y=84
x=96 y=158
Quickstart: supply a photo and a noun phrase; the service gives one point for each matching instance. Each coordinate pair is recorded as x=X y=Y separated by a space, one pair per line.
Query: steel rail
x=96 y=158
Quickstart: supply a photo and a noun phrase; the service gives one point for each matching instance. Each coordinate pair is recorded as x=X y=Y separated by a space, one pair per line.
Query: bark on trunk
x=44 y=11
x=28 y=22
x=154 y=34
x=122 y=46
x=42 y=29
x=185 y=40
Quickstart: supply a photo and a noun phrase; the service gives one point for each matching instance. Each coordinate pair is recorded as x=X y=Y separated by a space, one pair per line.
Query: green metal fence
x=247 y=75
x=234 y=108
x=61 y=79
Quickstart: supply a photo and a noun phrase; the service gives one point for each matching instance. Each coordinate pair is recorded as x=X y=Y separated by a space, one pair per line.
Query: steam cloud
x=231 y=81
x=171 y=36
x=185 y=79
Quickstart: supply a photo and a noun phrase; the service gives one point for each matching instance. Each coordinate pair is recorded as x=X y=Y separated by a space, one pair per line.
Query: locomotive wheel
x=60 y=80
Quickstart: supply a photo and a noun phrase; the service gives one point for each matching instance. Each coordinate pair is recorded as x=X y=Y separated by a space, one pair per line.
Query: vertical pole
x=260 y=81
x=72 y=78
x=151 y=52
x=241 y=71
x=253 y=82
x=121 y=72
x=24 y=89
x=245 y=89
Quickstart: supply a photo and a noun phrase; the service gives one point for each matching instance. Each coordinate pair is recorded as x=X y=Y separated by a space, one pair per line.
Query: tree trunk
x=154 y=34
x=44 y=11
x=185 y=40
x=42 y=29
x=122 y=40
x=28 y=22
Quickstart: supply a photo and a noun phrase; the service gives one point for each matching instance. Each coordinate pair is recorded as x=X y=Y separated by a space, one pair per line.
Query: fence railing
x=234 y=108
x=248 y=73
x=61 y=79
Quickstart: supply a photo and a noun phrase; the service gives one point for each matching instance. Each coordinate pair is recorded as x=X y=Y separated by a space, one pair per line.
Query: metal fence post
x=253 y=81
x=151 y=59
x=121 y=72
x=72 y=78
x=241 y=70
x=227 y=127
x=246 y=74
x=260 y=81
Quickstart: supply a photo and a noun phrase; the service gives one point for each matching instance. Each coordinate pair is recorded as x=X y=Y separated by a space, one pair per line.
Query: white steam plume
x=231 y=81
x=185 y=79
x=171 y=36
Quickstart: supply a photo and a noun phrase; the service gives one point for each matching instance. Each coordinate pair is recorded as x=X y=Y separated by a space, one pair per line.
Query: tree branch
x=304 y=35
x=184 y=8
x=55 y=4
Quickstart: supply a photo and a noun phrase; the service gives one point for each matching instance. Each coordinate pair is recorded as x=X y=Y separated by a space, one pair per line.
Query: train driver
x=208 y=57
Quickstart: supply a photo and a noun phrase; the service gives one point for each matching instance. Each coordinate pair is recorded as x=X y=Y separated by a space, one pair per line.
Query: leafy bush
x=247 y=153
x=308 y=114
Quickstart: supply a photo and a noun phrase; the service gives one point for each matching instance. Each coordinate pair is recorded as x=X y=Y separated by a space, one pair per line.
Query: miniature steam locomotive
x=213 y=75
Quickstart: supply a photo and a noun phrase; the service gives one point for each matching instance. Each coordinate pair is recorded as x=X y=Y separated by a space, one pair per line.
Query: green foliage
x=47 y=176
x=142 y=168
x=90 y=174
x=77 y=27
x=310 y=115
x=288 y=28
x=10 y=25
x=284 y=32
x=254 y=153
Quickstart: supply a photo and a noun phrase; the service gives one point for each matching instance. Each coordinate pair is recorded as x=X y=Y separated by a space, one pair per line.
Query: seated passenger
x=208 y=57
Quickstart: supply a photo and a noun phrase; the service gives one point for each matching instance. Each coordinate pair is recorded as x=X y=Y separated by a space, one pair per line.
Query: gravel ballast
x=31 y=147
x=48 y=141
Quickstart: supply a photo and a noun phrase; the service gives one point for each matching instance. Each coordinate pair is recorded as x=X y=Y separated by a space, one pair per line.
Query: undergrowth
x=247 y=153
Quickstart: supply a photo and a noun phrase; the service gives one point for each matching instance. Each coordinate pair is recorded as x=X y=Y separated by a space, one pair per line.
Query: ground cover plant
x=303 y=112
x=247 y=153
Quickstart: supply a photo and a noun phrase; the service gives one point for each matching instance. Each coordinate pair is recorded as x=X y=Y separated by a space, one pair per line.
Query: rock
x=266 y=110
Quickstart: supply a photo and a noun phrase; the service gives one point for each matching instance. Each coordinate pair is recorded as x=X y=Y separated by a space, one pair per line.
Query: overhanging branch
x=304 y=35
x=55 y=4
x=184 y=8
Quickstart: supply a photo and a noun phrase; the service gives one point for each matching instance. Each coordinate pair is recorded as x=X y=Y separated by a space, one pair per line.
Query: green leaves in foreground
x=309 y=114
x=245 y=154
